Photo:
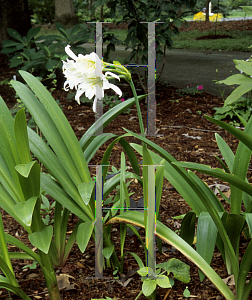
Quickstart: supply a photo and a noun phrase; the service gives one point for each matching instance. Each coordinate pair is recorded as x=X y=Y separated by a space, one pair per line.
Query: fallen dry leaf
x=63 y=282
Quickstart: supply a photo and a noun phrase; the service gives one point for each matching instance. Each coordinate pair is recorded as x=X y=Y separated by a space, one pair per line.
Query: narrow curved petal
x=70 y=53
x=113 y=75
x=116 y=89
x=95 y=104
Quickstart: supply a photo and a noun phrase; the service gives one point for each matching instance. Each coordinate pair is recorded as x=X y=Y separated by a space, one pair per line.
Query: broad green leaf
x=247 y=9
x=187 y=231
x=25 y=169
x=20 y=128
x=186 y=293
x=31 y=184
x=165 y=233
x=25 y=209
x=180 y=270
x=206 y=238
x=235 y=79
x=234 y=225
x=143 y=271
x=32 y=32
x=14 y=34
x=244 y=66
x=85 y=190
x=163 y=282
x=107 y=252
x=149 y=286
x=42 y=239
x=83 y=234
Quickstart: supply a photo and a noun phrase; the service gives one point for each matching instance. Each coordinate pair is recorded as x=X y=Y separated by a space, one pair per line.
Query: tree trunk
x=207 y=10
x=14 y=14
x=64 y=12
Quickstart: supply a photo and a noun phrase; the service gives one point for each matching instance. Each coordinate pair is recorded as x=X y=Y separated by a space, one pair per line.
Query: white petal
x=70 y=53
x=90 y=93
x=95 y=104
x=113 y=75
x=116 y=89
x=78 y=94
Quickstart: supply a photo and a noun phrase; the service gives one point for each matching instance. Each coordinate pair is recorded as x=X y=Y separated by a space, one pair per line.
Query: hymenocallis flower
x=84 y=73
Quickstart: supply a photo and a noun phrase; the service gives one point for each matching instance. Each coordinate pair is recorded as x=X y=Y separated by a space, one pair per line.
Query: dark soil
x=182 y=130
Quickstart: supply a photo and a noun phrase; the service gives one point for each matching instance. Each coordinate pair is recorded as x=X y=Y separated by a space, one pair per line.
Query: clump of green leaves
x=190 y=90
x=180 y=270
x=241 y=107
x=236 y=105
x=43 y=55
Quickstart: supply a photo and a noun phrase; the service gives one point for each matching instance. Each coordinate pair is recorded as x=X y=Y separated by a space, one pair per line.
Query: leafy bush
x=43 y=11
x=236 y=104
x=43 y=55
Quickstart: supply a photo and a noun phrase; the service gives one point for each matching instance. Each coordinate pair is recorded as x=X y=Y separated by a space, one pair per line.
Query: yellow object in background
x=202 y=17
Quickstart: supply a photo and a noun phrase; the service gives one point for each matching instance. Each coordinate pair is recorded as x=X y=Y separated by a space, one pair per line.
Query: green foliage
x=43 y=11
x=235 y=104
x=180 y=270
x=242 y=107
x=43 y=55
x=190 y=90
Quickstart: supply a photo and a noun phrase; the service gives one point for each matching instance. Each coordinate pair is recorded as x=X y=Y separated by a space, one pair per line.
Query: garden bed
x=182 y=130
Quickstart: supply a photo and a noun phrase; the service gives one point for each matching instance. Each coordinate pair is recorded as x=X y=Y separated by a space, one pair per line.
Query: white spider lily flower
x=84 y=73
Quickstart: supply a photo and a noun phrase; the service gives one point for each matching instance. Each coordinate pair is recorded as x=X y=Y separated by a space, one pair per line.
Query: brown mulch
x=182 y=130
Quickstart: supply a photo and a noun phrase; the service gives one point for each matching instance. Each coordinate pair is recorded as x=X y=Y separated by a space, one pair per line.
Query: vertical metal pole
x=99 y=90
x=151 y=114
x=98 y=224
x=151 y=218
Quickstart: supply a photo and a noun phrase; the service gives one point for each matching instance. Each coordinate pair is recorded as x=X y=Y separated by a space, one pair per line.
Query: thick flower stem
x=138 y=108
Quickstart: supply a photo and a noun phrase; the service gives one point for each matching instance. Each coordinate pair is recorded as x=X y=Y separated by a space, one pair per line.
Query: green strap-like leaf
x=107 y=118
x=206 y=238
x=226 y=152
x=58 y=193
x=187 y=231
x=174 y=176
x=84 y=234
x=20 y=129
